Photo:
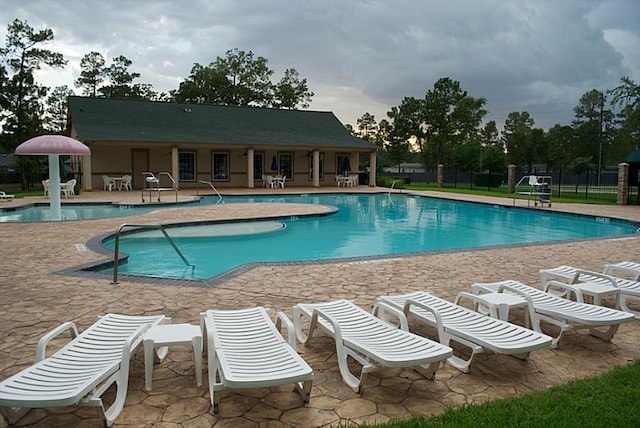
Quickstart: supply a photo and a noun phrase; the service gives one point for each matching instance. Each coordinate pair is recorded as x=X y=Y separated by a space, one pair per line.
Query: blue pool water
x=365 y=225
x=41 y=213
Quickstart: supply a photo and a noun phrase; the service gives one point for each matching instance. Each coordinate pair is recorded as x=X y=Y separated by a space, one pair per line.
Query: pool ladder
x=116 y=250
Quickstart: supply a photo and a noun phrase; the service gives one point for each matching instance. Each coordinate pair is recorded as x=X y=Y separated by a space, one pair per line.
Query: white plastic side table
x=499 y=304
x=171 y=335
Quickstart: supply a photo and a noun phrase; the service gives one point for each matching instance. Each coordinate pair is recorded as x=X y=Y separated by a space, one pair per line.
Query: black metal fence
x=586 y=186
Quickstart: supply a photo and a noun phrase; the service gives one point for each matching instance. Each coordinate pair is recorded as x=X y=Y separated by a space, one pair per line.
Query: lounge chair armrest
x=381 y=308
x=319 y=313
x=434 y=311
x=41 y=349
x=568 y=287
x=282 y=318
x=533 y=316
x=476 y=298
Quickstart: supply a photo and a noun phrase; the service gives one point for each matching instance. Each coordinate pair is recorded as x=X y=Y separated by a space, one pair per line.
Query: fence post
x=623 y=184
x=440 y=175
x=586 y=187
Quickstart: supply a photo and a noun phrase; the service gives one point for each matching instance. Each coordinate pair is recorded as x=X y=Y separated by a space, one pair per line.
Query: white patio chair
x=628 y=289
x=469 y=328
x=246 y=350
x=109 y=183
x=67 y=190
x=563 y=313
x=80 y=372
x=125 y=182
x=45 y=186
x=271 y=182
x=369 y=340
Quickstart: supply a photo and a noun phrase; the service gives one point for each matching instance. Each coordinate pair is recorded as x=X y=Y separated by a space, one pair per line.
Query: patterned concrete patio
x=35 y=299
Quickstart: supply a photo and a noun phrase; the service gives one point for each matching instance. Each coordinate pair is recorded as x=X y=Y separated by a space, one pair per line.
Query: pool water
x=365 y=225
x=69 y=212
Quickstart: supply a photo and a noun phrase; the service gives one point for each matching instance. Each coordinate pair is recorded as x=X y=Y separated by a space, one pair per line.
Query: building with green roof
x=229 y=146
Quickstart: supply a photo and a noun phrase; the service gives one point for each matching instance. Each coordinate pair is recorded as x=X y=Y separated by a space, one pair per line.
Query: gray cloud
x=365 y=56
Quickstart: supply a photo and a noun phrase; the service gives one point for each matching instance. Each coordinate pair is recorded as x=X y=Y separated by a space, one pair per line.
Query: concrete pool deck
x=36 y=299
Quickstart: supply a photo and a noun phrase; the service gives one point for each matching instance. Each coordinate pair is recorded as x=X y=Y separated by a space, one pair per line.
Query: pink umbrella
x=53 y=146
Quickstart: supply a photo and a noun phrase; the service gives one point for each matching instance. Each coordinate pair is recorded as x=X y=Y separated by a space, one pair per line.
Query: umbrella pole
x=54 y=187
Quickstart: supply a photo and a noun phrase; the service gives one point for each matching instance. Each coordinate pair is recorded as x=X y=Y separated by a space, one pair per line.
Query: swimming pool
x=365 y=225
x=74 y=211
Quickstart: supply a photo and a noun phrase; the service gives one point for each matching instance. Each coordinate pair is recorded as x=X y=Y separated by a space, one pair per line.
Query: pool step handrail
x=116 y=250
x=392 y=186
x=212 y=186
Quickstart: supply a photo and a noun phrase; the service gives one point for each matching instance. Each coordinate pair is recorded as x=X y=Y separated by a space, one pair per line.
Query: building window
x=321 y=171
x=258 y=165
x=286 y=165
x=187 y=166
x=343 y=165
x=220 y=161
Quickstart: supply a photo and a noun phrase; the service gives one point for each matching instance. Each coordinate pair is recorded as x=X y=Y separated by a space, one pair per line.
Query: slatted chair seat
x=472 y=329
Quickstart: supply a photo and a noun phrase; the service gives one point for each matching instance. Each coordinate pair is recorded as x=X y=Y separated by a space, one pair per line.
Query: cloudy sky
x=363 y=56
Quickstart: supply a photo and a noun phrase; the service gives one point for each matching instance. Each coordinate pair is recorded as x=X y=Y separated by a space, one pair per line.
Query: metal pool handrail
x=116 y=249
x=212 y=186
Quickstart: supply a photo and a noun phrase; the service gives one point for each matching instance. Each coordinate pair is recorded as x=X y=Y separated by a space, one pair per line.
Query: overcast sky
x=362 y=56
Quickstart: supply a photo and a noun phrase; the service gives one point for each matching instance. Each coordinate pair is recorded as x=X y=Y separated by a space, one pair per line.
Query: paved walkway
x=34 y=299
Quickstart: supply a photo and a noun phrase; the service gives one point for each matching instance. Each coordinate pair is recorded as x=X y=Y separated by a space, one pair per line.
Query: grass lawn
x=608 y=400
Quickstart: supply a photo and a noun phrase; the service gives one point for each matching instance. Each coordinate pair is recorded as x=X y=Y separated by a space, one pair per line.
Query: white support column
x=175 y=173
x=316 y=168
x=54 y=187
x=87 y=182
x=250 y=168
x=372 y=169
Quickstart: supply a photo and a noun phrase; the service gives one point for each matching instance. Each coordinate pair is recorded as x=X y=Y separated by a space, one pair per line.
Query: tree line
x=447 y=127
x=28 y=109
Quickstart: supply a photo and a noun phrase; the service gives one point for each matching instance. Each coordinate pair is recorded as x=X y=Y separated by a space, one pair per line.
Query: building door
x=140 y=164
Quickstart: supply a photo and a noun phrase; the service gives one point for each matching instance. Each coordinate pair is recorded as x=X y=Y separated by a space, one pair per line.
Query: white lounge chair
x=472 y=329
x=5 y=197
x=628 y=289
x=563 y=313
x=80 y=372
x=246 y=350
x=369 y=340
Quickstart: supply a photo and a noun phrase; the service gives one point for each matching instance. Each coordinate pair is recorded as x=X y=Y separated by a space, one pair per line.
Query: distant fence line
x=586 y=186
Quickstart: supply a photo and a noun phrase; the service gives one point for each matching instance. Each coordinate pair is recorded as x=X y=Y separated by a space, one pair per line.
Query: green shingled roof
x=108 y=119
